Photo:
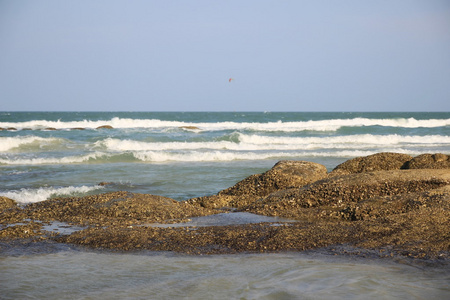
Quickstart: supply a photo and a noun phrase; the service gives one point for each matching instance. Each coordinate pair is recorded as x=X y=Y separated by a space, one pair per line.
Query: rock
x=400 y=213
x=384 y=206
x=341 y=191
x=284 y=174
x=422 y=232
x=428 y=161
x=376 y=162
x=105 y=127
x=50 y=129
x=78 y=128
x=6 y=203
x=109 y=208
x=189 y=127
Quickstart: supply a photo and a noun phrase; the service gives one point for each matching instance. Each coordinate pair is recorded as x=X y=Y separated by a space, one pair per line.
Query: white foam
x=44 y=193
x=244 y=147
x=11 y=143
x=348 y=141
x=266 y=143
x=54 y=160
x=211 y=156
x=319 y=125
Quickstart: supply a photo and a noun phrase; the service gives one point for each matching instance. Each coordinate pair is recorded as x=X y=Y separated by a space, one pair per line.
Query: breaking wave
x=313 y=125
x=28 y=142
x=43 y=193
x=259 y=143
x=235 y=146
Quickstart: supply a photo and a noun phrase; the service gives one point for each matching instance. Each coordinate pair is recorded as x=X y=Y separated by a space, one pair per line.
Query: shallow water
x=235 y=218
x=72 y=274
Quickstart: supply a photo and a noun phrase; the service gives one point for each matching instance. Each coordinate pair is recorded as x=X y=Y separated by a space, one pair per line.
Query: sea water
x=184 y=155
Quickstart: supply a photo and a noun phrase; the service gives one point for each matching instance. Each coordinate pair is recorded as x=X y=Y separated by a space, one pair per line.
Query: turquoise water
x=184 y=155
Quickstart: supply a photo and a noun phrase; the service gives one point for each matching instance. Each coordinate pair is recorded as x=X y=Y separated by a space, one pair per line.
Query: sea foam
x=312 y=125
x=36 y=195
x=12 y=143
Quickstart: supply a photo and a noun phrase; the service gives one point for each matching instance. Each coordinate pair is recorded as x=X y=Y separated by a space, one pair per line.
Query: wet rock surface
x=377 y=162
x=428 y=161
x=386 y=204
x=285 y=174
x=6 y=203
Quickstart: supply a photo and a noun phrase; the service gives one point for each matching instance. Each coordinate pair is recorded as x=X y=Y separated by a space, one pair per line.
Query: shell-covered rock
x=429 y=161
x=284 y=174
x=377 y=162
x=340 y=191
x=6 y=203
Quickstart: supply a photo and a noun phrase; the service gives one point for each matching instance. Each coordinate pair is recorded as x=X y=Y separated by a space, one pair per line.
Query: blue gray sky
x=347 y=55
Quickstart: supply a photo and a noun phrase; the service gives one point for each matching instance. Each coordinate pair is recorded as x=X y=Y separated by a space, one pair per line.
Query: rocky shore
x=387 y=204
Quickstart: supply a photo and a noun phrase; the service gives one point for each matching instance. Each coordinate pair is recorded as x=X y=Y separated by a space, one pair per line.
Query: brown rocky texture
x=390 y=212
x=284 y=174
x=105 y=127
x=105 y=209
x=402 y=217
x=428 y=161
x=377 y=162
x=6 y=203
x=340 y=191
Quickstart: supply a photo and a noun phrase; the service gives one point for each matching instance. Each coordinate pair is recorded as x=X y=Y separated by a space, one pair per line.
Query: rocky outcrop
x=6 y=203
x=105 y=127
x=336 y=194
x=118 y=208
x=428 y=161
x=369 y=204
x=377 y=162
x=284 y=174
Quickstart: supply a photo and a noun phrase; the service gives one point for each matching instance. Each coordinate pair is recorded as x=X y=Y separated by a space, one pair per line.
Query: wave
x=91 y=157
x=44 y=193
x=201 y=156
x=213 y=156
x=313 y=125
x=234 y=141
x=12 y=143
x=236 y=146
x=257 y=142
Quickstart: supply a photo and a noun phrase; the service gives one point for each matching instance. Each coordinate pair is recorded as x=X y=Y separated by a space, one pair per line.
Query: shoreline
x=386 y=205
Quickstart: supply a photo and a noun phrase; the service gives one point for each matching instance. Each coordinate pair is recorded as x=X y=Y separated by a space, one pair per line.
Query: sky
x=108 y=55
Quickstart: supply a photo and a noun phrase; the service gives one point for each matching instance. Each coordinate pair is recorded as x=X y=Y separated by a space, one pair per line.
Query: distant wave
x=43 y=193
x=196 y=156
x=10 y=143
x=318 y=125
x=258 y=142
x=234 y=141
x=235 y=146
x=211 y=156
x=91 y=157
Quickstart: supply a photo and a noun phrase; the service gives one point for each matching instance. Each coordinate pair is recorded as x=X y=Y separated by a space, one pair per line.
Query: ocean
x=182 y=155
